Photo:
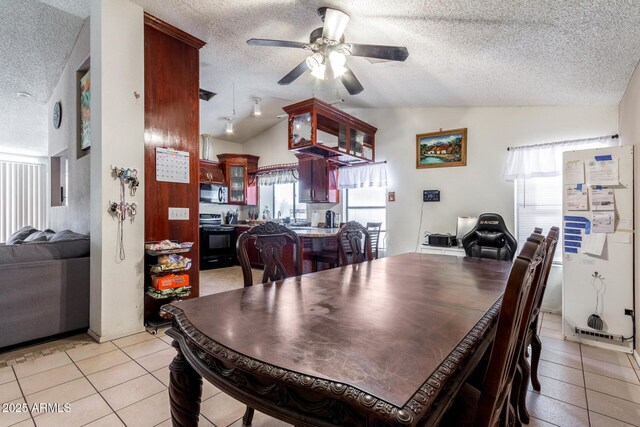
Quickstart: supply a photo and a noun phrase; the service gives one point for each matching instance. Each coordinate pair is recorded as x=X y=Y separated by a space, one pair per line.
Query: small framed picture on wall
x=441 y=149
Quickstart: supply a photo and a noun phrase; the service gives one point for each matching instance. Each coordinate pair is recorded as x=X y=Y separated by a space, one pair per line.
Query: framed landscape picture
x=441 y=149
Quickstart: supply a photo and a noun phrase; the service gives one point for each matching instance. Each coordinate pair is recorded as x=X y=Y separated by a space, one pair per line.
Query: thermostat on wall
x=431 y=196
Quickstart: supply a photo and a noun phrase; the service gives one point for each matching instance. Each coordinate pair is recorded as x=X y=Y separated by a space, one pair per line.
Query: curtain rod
x=363 y=164
x=562 y=142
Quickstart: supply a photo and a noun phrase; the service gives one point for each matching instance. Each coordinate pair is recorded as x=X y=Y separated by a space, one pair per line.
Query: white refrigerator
x=597 y=247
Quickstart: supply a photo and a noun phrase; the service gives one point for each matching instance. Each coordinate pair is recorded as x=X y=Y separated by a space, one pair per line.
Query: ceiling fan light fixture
x=229 y=128
x=257 y=112
x=337 y=61
x=319 y=72
x=314 y=61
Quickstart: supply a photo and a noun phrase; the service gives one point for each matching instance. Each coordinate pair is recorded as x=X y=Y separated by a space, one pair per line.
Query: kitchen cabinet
x=211 y=172
x=237 y=170
x=317 y=180
x=319 y=129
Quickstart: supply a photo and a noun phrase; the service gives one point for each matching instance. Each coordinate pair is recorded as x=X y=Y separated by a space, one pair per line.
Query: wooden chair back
x=270 y=240
x=552 y=243
x=512 y=325
x=374 y=232
x=354 y=244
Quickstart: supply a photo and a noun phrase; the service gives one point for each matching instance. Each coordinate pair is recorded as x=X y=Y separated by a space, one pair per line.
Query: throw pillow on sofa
x=67 y=235
x=40 y=236
x=21 y=234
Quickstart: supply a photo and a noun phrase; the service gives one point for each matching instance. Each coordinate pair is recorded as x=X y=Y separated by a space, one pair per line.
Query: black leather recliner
x=490 y=238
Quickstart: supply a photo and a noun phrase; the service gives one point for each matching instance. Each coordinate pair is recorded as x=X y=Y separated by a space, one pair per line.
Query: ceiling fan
x=329 y=51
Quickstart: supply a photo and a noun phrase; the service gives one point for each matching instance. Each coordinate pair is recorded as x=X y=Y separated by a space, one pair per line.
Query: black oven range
x=217 y=242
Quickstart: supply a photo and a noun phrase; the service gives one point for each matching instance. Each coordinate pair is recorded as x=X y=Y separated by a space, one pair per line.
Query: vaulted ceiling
x=461 y=53
x=35 y=41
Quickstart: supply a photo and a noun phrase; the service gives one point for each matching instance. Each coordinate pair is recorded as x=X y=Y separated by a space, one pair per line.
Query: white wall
x=477 y=187
x=271 y=146
x=74 y=215
x=117 y=71
x=465 y=191
x=219 y=146
x=629 y=111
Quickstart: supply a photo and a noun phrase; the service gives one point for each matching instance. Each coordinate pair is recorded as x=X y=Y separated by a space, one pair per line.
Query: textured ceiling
x=461 y=53
x=35 y=41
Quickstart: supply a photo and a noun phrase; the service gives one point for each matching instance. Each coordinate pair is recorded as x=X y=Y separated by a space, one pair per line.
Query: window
x=538 y=204
x=281 y=198
x=537 y=172
x=22 y=197
x=368 y=205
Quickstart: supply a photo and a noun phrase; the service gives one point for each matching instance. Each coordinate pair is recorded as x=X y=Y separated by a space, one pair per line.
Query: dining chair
x=532 y=338
x=490 y=238
x=374 y=232
x=354 y=244
x=271 y=240
x=491 y=405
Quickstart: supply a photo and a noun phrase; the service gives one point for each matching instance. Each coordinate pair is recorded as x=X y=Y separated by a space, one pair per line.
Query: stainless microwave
x=213 y=193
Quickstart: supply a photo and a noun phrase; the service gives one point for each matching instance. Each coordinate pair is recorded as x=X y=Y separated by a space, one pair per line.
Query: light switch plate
x=179 y=214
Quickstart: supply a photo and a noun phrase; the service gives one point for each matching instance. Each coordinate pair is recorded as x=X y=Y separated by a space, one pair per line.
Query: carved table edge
x=410 y=414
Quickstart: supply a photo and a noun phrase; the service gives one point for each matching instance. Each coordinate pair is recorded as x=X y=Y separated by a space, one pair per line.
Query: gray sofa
x=44 y=286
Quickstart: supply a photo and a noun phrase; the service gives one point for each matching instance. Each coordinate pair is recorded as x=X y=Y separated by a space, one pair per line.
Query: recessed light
x=24 y=94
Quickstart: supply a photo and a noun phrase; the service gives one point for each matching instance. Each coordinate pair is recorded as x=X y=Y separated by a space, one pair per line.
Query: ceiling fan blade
x=294 y=74
x=335 y=22
x=350 y=82
x=393 y=53
x=276 y=43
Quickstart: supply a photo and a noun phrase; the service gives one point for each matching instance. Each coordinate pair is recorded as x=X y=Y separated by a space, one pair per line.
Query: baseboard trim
x=104 y=338
x=636 y=356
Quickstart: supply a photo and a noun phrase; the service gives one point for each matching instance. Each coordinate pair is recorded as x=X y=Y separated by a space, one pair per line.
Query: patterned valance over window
x=278 y=174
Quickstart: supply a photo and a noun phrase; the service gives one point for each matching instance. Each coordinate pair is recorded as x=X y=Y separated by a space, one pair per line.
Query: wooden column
x=172 y=112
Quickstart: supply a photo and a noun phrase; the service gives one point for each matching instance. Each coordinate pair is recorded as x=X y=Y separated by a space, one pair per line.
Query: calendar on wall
x=172 y=165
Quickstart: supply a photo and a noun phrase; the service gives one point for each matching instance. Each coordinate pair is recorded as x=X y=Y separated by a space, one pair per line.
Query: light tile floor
x=124 y=382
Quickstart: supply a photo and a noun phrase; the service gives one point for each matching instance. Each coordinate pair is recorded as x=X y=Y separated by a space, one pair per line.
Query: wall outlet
x=179 y=214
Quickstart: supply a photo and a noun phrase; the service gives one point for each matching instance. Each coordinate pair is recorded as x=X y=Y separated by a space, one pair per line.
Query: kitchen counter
x=315 y=241
x=315 y=231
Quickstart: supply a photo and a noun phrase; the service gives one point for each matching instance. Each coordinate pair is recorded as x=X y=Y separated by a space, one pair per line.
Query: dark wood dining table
x=385 y=342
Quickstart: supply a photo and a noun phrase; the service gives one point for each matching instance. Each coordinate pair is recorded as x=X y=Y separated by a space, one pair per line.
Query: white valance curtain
x=280 y=176
x=362 y=176
x=539 y=160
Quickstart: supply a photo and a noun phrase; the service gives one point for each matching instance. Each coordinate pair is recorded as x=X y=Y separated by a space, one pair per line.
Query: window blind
x=22 y=197
x=538 y=204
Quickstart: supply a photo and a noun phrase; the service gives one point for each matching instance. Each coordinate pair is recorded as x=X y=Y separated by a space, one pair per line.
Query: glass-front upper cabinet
x=321 y=130
x=360 y=144
x=301 y=130
x=237 y=169
x=237 y=183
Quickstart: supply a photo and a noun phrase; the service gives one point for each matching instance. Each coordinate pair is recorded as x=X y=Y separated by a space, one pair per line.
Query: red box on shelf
x=170 y=281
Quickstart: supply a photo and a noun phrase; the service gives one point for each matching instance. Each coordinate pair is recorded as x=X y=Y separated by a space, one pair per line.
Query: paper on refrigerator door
x=594 y=244
x=603 y=222
x=577 y=199
x=602 y=170
x=602 y=199
x=574 y=172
